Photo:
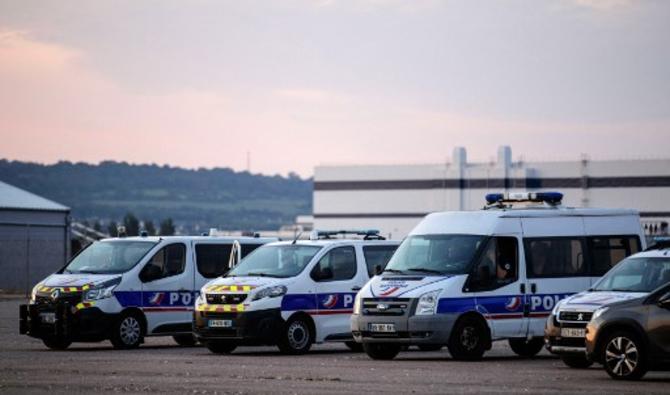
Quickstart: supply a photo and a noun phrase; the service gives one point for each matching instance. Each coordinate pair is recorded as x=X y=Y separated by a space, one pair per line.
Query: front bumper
x=412 y=330
x=88 y=324
x=556 y=344
x=249 y=328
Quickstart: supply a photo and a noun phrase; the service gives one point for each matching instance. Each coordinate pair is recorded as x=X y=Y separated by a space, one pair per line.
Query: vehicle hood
x=238 y=285
x=75 y=282
x=591 y=301
x=394 y=286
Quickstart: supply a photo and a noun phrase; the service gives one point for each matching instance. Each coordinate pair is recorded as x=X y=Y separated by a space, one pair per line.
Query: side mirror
x=325 y=273
x=378 y=270
x=664 y=301
x=150 y=273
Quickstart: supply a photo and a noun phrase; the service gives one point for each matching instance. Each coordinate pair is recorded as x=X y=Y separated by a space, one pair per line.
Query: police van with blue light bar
x=123 y=289
x=291 y=294
x=466 y=279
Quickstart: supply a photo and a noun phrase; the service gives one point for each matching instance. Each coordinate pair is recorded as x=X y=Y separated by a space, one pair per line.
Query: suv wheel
x=297 y=337
x=576 y=361
x=128 y=332
x=220 y=346
x=526 y=348
x=623 y=356
x=381 y=351
x=468 y=340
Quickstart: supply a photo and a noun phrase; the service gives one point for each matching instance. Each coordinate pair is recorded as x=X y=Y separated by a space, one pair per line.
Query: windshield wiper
x=425 y=270
x=262 y=275
x=393 y=271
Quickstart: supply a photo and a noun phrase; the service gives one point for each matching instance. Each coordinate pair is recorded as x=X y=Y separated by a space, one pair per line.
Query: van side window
x=212 y=259
x=169 y=261
x=249 y=248
x=340 y=261
x=377 y=256
x=555 y=257
x=607 y=251
x=497 y=266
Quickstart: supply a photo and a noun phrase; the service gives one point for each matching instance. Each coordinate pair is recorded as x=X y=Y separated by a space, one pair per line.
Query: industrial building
x=34 y=238
x=394 y=198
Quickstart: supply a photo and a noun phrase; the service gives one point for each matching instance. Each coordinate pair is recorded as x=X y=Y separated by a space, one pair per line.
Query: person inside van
x=539 y=260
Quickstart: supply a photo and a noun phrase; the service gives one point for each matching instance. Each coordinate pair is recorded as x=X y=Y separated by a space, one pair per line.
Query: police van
x=123 y=289
x=465 y=279
x=291 y=294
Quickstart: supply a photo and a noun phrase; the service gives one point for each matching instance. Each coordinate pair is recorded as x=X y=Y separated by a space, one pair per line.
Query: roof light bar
x=327 y=234
x=543 y=197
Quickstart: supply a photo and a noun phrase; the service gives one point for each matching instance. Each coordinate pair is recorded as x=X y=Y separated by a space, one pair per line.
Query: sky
x=297 y=83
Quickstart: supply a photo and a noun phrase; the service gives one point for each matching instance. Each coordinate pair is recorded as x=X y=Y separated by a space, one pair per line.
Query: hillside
x=195 y=199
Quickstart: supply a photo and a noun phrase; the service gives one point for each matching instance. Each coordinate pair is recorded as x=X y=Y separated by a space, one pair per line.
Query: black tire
x=381 y=351
x=576 y=361
x=185 y=340
x=297 y=337
x=221 y=346
x=355 y=347
x=469 y=339
x=128 y=331
x=623 y=356
x=430 y=347
x=526 y=348
x=56 y=343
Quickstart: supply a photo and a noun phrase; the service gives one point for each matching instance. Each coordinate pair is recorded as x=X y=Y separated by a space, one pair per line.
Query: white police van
x=123 y=289
x=290 y=294
x=465 y=279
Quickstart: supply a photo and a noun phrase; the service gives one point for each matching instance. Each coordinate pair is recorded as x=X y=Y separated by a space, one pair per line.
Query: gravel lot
x=26 y=366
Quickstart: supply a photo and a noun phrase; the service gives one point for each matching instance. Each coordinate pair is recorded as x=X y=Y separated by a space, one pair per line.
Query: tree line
x=134 y=226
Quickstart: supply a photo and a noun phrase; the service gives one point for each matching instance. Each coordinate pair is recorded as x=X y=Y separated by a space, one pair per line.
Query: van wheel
x=623 y=356
x=221 y=346
x=526 y=348
x=381 y=351
x=430 y=347
x=128 y=332
x=576 y=361
x=56 y=343
x=185 y=340
x=297 y=337
x=355 y=347
x=469 y=339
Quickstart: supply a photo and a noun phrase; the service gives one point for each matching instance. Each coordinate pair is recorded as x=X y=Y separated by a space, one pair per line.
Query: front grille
x=575 y=316
x=386 y=306
x=72 y=298
x=226 y=298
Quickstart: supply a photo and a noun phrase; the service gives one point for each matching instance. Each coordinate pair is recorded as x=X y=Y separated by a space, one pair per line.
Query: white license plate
x=48 y=318
x=220 y=323
x=573 y=332
x=384 y=328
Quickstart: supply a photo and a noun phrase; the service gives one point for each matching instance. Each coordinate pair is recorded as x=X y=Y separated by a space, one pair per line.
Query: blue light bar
x=543 y=197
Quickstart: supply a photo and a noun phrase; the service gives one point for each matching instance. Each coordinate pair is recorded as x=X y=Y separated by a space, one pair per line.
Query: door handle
x=356 y=288
x=522 y=288
x=533 y=288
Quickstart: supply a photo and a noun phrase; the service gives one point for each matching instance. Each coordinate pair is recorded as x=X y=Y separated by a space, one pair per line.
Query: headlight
x=270 y=292
x=428 y=303
x=33 y=294
x=599 y=312
x=201 y=299
x=102 y=291
x=358 y=301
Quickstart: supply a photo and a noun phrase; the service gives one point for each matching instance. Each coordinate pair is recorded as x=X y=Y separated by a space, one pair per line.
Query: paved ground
x=26 y=366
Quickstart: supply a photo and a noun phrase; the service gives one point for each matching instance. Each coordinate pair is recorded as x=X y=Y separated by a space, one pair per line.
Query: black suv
x=632 y=336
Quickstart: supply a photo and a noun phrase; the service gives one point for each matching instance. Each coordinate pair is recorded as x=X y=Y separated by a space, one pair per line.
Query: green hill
x=195 y=199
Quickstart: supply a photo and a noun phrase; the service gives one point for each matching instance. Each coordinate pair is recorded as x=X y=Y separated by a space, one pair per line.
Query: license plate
x=384 y=328
x=48 y=318
x=573 y=332
x=220 y=323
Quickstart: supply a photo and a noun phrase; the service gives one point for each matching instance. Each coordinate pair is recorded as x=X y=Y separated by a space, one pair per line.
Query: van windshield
x=109 y=257
x=436 y=254
x=636 y=275
x=285 y=260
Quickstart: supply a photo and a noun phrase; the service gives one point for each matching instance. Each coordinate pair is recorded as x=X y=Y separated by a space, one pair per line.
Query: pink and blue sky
x=304 y=82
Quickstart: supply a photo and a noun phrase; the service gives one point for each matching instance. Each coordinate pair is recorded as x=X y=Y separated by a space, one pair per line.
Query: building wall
x=394 y=198
x=33 y=244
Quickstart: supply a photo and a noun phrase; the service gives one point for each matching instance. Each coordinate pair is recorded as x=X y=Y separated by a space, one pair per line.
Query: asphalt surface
x=159 y=366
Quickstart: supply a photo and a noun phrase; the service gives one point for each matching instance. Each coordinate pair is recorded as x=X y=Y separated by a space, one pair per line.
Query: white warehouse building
x=394 y=198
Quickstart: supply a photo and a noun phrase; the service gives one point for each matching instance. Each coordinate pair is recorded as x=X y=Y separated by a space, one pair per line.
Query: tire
x=56 y=343
x=185 y=340
x=469 y=339
x=576 y=361
x=381 y=351
x=128 y=332
x=430 y=347
x=221 y=346
x=355 y=347
x=297 y=337
x=623 y=356
x=526 y=348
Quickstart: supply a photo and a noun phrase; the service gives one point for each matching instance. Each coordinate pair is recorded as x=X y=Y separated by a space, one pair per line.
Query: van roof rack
x=368 y=234
x=499 y=199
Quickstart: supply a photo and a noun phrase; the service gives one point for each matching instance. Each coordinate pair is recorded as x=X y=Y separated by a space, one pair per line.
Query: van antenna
x=296 y=238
